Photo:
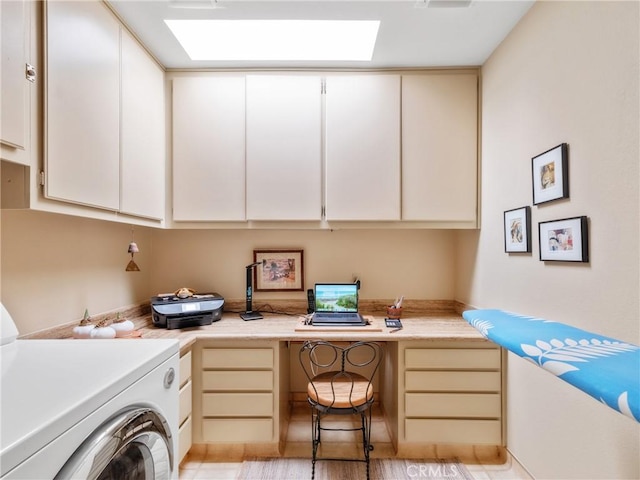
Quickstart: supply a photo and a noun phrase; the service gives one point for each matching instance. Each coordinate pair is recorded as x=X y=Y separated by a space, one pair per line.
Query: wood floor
x=201 y=464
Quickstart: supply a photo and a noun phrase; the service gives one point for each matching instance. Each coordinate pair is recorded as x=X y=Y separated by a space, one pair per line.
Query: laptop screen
x=336 y=297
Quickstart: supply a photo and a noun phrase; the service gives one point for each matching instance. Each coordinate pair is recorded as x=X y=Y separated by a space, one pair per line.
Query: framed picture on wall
x=282 y=270
x=517 y=230
x=550 y=175
x=565 y=240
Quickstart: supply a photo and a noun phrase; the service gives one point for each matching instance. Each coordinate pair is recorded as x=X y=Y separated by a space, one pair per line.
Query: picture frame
x=550 y=175
x=564 y=240
x=517 y=230
x=282 y=270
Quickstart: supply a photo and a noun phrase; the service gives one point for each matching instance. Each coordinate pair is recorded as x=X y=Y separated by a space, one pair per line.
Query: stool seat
x=340 y=390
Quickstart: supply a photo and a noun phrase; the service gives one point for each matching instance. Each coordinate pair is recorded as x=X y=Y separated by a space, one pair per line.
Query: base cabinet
x=185 y=417
x=449 y=393
x=432 y=393
x=239 y=395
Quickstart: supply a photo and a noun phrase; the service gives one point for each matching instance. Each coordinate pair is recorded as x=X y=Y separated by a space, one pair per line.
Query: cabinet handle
x=30 y=72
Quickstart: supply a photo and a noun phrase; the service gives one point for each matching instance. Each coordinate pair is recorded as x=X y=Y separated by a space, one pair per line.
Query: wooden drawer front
x=476 y=432
x=454 y=359
x=237 y=358
x=184 y=439
x=185 y=368
x=437 y=381
x=246 y=430
x=485 y=405
x=184 y=400
x=237 y=404
x=239 y=381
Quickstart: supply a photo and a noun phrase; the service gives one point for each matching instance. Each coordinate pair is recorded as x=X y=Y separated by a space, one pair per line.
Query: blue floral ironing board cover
x=603 y=367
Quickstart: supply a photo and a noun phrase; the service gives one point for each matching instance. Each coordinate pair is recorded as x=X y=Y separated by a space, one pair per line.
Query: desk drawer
x=185 y=368
x=485 y=405
x=246 y=430
x=237 y=404
x=184 y=439
x=237 y=358
x=237 y=380
x=452 y=358
x=184 y=401
x=476 y=432
x=451 y=381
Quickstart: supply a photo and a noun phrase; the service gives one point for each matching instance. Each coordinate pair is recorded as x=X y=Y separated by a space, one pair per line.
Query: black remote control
x=311 y=301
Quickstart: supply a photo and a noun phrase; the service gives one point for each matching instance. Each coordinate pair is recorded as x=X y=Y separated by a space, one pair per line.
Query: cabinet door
x=284 y=148
x=363 y=147
x=82 y=104
x=14 y=97
x=209 y=148
x=142 y=180
x=439 y=147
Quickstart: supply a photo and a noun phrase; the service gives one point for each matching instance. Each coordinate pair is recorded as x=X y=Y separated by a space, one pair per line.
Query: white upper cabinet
x=362 y=146
x=142 y=177
x=375 y=147
x=209 y=148
x=284 y=163
x=439 y=147
x=14 y=98
x=82 y=104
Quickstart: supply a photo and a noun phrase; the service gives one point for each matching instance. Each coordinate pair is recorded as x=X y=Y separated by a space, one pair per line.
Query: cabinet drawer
x=184 y=401
x=239 y=381
x=237 y=358
x=453 y=405
x=476 y=432
x=237 y=404
x=184 y=438
x=185 y=368
x=436 y=381
x=237 y=430
x=453 y=359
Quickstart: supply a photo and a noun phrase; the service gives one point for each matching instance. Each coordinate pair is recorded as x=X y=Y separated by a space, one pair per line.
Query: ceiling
x=413 y=33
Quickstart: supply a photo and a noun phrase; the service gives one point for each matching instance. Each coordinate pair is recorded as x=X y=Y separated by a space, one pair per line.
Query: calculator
x=393 y=323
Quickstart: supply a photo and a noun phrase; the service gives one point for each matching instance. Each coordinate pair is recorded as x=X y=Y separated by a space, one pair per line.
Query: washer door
x=133 y=445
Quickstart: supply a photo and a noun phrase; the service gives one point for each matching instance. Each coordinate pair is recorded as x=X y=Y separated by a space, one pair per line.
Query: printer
x=173 y=311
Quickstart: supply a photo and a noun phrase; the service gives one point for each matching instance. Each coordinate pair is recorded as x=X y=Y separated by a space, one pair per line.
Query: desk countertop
x=449 y=327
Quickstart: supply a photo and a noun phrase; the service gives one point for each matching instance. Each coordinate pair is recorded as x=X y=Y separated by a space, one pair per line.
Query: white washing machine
x=90 y=409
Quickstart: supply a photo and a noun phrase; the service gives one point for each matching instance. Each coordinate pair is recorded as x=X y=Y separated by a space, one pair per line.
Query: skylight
x=284 y=40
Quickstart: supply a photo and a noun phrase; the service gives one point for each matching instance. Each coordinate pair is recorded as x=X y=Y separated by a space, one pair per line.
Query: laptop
x=336 y=305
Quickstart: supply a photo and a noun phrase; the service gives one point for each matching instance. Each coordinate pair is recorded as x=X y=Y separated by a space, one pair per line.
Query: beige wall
x=55 y=266
x=568 y=73
x=415 y=263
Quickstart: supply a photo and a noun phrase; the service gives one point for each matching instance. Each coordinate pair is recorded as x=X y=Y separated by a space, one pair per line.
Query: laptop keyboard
x=341 y=316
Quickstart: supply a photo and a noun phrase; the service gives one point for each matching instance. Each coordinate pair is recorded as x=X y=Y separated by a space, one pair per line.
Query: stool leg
x=366 y=437
x=315 y=439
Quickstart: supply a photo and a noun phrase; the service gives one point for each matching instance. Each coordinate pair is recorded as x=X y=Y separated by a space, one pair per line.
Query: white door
x=284 y=130
x=14 y=98
x=142 y=181
x=363 y=147
x=439 y=147
x=83 y=104
x=209 y=148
